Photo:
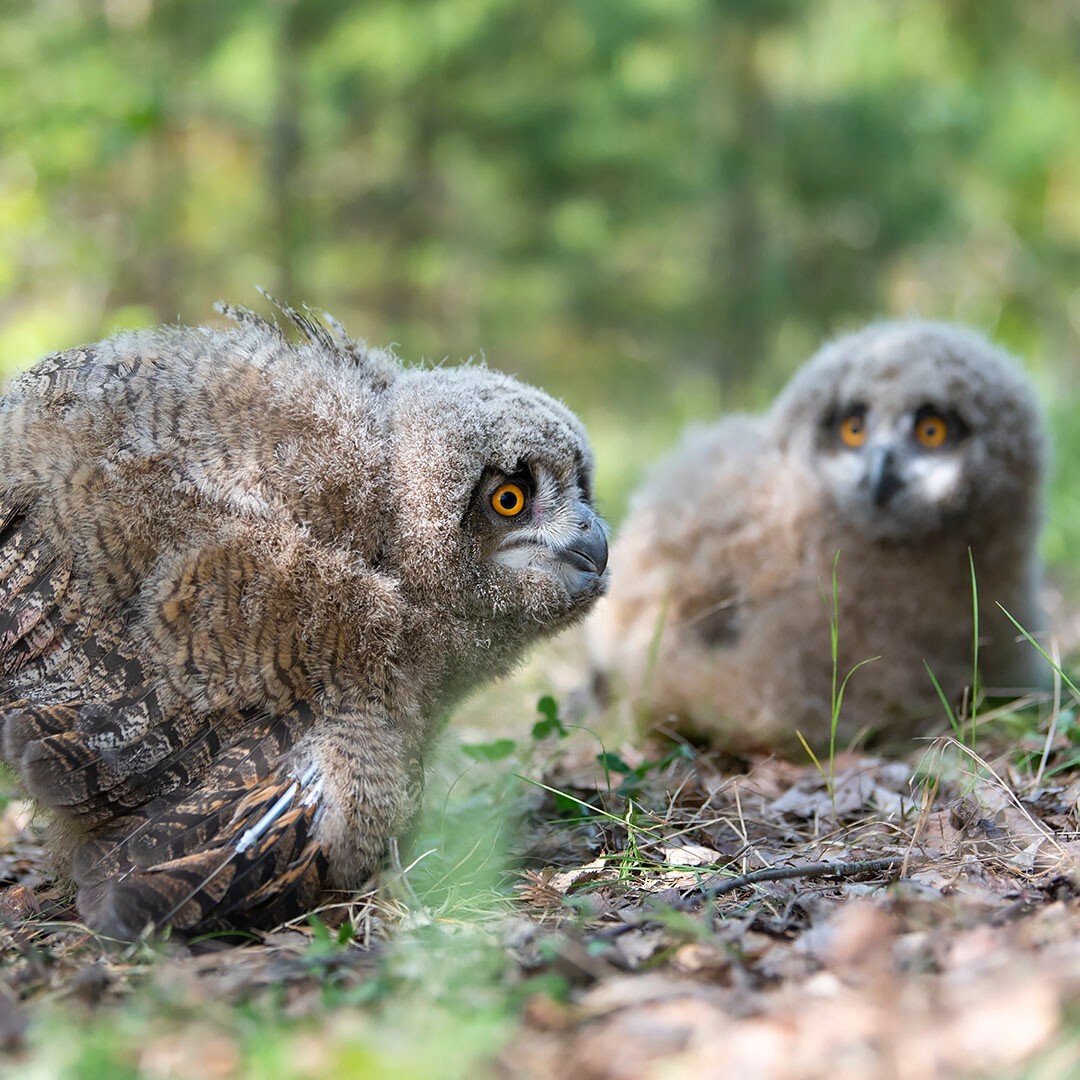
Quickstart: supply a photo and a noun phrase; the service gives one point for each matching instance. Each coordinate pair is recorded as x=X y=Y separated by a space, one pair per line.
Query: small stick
x=771 y=873
x=786 y=873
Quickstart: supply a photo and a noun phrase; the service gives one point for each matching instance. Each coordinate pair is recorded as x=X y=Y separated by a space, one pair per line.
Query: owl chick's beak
x=572 y=546
x=883 y=475
x=587 y=548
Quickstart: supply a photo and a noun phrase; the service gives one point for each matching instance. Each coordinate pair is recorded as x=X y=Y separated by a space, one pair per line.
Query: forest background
x=655 y=210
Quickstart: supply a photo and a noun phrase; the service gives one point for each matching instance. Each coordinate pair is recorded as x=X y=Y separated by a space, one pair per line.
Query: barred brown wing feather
x=242 y=857
x=33 y=582
x=97 y=760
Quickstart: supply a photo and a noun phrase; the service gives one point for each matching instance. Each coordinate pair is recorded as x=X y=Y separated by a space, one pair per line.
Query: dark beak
x=588 y=550
x=883 y=478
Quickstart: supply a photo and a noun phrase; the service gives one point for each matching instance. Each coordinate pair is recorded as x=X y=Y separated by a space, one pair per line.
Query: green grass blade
x=812 y=755
x=1045 y=655
x=975 y=646
x=953 y=723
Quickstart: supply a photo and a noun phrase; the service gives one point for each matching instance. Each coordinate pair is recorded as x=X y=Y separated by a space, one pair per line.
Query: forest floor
x=573 y=911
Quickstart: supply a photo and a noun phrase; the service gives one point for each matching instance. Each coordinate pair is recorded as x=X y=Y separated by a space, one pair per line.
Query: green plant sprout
x=498 y=749
x=548 y=707
x=958 y=723
x=1042 y=652
x=587 y=806
x=836 y=701
x=974 y=648
x=955 y=723
x=634 y=777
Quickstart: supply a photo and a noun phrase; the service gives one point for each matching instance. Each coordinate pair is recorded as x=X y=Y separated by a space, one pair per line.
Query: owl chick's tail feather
x=207 y=861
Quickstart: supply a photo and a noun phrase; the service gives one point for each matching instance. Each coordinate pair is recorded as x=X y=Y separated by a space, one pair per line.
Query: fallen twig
x=785 y=873
x=725 y=885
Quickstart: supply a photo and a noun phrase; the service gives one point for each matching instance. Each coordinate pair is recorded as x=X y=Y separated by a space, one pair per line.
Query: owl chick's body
x=240 y=578
x=899 y=447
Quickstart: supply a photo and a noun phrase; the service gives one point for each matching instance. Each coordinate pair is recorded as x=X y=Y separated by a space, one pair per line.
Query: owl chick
x=240 y=579
x=898 y=448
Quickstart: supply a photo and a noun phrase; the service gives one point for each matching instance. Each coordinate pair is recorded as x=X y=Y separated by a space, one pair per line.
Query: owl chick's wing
x=178 y=828
x=698 y=546
x=705 y=567
x=181 y=814
x=237 y=849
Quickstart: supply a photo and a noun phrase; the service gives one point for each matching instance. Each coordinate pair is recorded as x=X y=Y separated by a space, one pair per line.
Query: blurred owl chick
x=240 y=578
x=899 y=447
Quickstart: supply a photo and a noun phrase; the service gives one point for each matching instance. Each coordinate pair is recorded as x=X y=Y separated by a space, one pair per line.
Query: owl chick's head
x=495 y=520
x=910 y=426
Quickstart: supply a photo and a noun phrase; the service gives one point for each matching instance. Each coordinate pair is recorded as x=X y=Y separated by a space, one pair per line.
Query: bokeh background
x=654 y=208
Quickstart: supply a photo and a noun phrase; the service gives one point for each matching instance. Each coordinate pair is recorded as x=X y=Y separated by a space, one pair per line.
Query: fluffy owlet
x=240 y=578
x=899 y=447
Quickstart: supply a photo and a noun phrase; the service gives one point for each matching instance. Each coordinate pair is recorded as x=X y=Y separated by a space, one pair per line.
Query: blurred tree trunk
x=736 y=316
x=418 y=222
x=285 y=151
x=155 y=272
x=168 y=259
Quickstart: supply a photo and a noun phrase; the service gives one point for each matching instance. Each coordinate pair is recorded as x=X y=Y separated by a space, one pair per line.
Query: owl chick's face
x=895 y=472
x=910 y=427
x=500 y=529
x=540 y=521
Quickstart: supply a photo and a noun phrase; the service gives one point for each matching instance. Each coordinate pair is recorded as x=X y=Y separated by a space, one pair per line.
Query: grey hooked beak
x=882 y=476
x=588 y=549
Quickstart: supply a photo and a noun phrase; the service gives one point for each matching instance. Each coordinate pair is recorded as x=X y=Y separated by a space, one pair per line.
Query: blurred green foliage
x=654 y=209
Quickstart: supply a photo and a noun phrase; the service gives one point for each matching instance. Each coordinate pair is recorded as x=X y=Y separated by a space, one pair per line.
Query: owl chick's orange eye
x=932 y=431
x=853 y=430
x=508 y=500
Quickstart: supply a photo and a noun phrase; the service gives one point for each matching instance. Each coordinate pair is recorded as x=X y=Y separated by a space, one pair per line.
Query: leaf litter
x=665 y=916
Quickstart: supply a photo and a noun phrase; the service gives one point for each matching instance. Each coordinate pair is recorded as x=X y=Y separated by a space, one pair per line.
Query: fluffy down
x=240 y=578
x=717 y=625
